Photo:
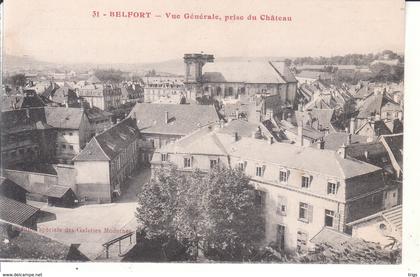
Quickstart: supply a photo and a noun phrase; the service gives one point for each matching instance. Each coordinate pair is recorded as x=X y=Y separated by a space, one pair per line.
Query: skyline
x=66 y=33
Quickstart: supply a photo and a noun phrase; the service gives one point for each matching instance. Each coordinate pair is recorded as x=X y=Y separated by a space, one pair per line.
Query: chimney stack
x=300 y=133
x=166 y=117
x=270 y=140
x=342 y=151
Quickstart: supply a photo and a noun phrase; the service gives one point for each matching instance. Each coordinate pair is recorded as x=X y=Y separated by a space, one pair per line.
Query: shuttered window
x=305 y=212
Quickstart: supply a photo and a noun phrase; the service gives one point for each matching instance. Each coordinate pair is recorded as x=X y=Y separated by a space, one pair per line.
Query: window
x=306 y=181
x=283 y=176
x=305 y=212
x=164 y=157
x=259 y=171
x=187 y=162
x=332 y=188
x=260 y=198
x=329 y=218
x=213 y=163
x=281 y=205
x=241 y=166
x=63 y=146
x=302 y=240
x=71 y=147
x=70 y=134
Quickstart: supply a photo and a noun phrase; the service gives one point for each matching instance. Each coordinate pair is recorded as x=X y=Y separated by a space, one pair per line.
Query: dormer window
x=259 y=171
x=306 y=181
x=332 y=188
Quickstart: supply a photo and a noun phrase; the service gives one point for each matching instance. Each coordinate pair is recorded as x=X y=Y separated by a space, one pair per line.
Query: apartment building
x=302 y=189
x=106 y=162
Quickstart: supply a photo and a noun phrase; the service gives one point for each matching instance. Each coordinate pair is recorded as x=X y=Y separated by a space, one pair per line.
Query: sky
x=65 y=31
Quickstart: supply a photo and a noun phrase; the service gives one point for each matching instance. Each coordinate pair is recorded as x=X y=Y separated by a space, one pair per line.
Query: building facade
x=106 y=162
x=301 y=189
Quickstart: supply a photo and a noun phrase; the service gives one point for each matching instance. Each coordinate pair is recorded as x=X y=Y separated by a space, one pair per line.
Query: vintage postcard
x=202 y=131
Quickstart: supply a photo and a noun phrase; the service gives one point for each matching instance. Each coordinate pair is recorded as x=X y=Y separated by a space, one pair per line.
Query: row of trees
x=352 y=59
x=210 y=213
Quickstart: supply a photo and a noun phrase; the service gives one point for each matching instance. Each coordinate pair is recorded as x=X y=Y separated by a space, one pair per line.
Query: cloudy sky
x=65 y=31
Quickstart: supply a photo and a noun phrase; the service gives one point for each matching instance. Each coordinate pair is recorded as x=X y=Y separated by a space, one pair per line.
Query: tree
x=17 y=80
x=110 y=75
x=234 y=221
x=214 y=211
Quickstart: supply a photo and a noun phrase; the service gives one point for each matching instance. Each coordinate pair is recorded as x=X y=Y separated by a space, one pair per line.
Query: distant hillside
x=174 y=66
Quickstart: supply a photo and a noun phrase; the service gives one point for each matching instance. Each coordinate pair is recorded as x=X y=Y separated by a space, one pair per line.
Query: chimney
x=348 y=139
x=377 y=117
x=271 y=140
x=352 y=125
x=300 y=133
x=321 y=144
x=342 y=151
x=236 y=136
x=166 y=117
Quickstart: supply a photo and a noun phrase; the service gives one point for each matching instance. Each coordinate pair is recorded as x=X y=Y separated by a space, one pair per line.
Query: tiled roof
x=307 y=131
x=96 y=113
x=243 y=128
x=183 y=119
x=316 y=117
x=327 y=162
x=15 y=121
x=247 y=72
x=373 y=105
x=395 y=144
x=64 y=118
x=7 y=182
x=64 y=94
x=333 y=141
x=340 y=241
x=14 y=102
x=14 y=211
x=57 y=191
x=284 y=71
x=31 y=245
x=394 y=216
x=110 y=142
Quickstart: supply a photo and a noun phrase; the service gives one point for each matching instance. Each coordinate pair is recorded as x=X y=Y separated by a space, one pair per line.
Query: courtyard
x=92 y=225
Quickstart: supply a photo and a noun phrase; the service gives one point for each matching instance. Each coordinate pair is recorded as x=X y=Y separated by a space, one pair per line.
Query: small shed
x=61 y=196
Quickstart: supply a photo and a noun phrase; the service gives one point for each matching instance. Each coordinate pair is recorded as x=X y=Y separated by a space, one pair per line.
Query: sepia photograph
x=202 y=131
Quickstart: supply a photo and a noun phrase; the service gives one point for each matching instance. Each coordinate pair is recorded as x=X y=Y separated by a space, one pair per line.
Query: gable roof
x=392 y=215
x=15 y=211
x=183 y=119
x=319 y=117
x=57 y=191
x=373 y=104
x=327 y=162
x=248 y=72
x=394 y=144
x=14 y=102
x=109 y=143
x=15 y=121
x=64 y=118
x=32 y=245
